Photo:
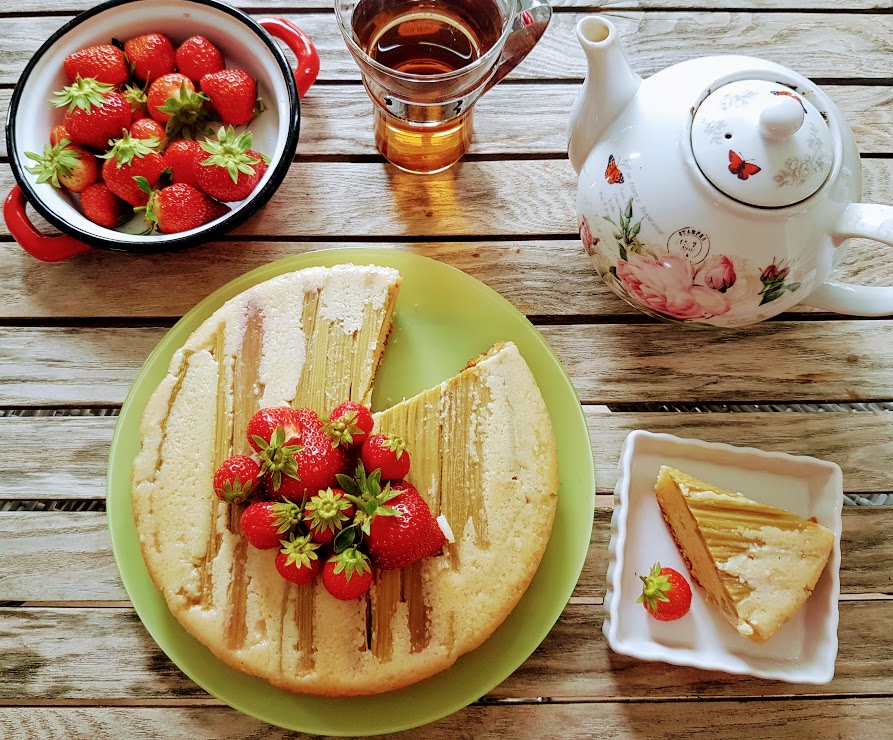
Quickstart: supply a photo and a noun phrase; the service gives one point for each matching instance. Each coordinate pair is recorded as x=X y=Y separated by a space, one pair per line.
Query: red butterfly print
x=789 y=94
x=613 y=174
x=738 y=166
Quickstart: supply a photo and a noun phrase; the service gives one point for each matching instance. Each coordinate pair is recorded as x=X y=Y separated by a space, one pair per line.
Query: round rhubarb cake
x=484 y=458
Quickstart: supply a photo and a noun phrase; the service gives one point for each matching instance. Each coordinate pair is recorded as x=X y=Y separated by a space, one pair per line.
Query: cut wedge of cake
x=757 y=563
x=483 y=454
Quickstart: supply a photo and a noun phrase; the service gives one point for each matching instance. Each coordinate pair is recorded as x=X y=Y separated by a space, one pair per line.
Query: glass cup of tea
x=424 y=63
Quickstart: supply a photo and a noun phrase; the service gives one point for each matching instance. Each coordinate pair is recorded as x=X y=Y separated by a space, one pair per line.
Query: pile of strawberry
x=321 y=518
x=131 y=107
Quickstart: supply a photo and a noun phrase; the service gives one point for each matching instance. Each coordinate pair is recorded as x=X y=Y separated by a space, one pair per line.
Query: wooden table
x=75 y=660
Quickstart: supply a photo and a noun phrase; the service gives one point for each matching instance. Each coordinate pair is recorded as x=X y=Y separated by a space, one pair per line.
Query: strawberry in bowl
x=100 y=69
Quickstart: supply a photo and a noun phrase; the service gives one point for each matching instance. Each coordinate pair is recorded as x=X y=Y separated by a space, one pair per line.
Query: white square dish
x=805 y=648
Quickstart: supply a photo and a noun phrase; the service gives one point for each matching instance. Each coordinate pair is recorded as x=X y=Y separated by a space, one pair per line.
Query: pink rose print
x=718 y=273
x=586 y=237
x=666 y=284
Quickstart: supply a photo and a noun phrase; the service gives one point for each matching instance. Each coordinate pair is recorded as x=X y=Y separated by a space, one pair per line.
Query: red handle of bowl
x=303 y=48
x=46 y=248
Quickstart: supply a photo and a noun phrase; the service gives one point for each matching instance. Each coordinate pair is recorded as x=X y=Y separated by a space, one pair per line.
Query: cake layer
x=757 y=563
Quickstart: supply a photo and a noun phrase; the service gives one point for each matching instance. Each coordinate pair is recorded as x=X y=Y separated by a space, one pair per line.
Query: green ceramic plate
x=443 y=318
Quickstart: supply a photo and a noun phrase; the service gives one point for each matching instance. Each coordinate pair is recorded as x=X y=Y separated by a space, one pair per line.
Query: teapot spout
x=609 y=85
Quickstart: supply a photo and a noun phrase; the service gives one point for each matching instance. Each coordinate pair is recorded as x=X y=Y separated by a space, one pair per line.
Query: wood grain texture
x=608 y=363
x=654 y=40
x=106 y=654
x=858 y=442
x=720 y=720
x=337 y=120
x=77 y=544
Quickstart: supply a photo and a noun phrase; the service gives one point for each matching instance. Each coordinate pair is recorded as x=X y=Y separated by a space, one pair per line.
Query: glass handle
x=527 y=29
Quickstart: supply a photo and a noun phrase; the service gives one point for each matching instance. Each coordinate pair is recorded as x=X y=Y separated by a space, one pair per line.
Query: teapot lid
x=761 y=143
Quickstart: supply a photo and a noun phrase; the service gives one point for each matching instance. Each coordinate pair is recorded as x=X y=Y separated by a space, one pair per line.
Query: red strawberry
x=173 y=101
x=96 y=114
x=263 y=424
x=128 y=159
x=237 y=479
x=233 y=94
x=102 y=206
x=57 y=133
x=405 y=537
x=349 y=424
x=151 y=55
x=387 y=452
x=232 y=170
x=148 y=128
x=266 y=524
x=181 y=157
x=325 y=514
x=666 y=594
x=297 y=561
x=180 y=207
x=347 y=575
x=197 y=57
x=64 y=165
x=105 y=63
x=318 y=463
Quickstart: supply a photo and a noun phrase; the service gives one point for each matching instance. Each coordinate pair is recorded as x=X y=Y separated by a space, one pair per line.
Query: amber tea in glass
x=425 y=63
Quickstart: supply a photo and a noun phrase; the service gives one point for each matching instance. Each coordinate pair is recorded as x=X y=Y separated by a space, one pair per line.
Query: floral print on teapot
x=682 y=280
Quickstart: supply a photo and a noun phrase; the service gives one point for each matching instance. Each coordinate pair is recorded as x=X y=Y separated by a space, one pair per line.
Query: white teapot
x=719 y=190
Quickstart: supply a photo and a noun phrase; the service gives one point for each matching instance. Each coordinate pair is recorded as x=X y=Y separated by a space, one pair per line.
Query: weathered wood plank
x=608 y=363
x=721 y=720
x=501 y=199
x=654 y=40
x=106 y=654
x=338 y=120
x=77 y=545
x=858 y=442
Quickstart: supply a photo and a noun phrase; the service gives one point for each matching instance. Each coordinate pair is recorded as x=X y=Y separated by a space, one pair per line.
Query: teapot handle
x=869 y=221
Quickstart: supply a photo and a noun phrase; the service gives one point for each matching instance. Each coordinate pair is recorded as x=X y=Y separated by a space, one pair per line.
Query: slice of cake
x=483 y=454
x=757 y=563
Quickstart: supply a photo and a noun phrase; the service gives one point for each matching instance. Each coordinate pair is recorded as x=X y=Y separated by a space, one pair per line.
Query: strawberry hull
x=31 y=119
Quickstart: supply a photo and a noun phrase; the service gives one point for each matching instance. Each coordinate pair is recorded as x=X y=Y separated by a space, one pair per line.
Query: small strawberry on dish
x=103 y=207
x=349 y=424
x=666 y=594
x=232 y=169
x=149 y=128
x=197 y=57
x=178 y=207
x=182 y=157
x=266 y=523
x=128 y=159
x=104 y=63
x=233 y=94
x=151 y=55
x=387 y=452
x=347 y=575
x=96 y=112
x=64 y=165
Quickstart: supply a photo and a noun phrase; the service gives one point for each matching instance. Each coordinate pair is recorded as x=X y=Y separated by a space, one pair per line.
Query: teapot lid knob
x=762 y=142
x=781 y=118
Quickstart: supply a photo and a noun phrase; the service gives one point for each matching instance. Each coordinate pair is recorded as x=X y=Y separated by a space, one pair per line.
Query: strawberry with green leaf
x=666 y=594
x=96 y=112
x=64 y=165
x=297 y=560
x=149 y=128
x=103 y=207
x=265 y=523
x=103 y=62
x=318 y=463
x=347 y=575
x=387 y=452
x=173 y=101
x=349 y=424
x=178 y=207
x=233 y=169
x=326 y=513
x=129 y=159
x=237 y=479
